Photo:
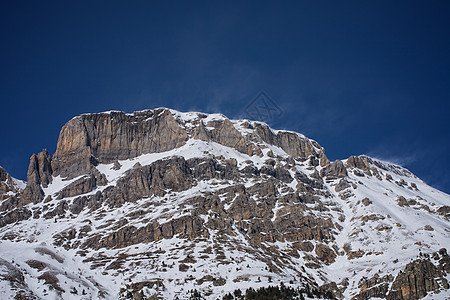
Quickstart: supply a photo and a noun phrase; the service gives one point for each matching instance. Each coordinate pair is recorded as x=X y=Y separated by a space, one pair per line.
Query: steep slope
x=160 y=202
x=9 y=186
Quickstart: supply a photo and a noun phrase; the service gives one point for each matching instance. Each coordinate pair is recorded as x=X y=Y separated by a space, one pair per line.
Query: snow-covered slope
x=234 y=205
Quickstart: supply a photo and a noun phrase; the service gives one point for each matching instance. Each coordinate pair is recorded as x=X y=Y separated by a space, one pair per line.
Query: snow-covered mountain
x=157 y=203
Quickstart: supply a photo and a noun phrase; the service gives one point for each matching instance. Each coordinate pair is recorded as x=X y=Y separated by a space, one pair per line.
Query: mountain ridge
x=161 y=194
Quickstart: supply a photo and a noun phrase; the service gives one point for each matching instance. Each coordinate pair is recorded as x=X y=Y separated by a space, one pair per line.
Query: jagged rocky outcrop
x=102 y=138
x=334 y=170
x=83 y=185
x=415 y=281
x=39 y=175
x=7 y=185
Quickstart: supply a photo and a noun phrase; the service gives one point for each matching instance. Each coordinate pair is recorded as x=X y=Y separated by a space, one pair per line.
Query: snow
x=19 y=183
x=192 y=149
x=58 y=183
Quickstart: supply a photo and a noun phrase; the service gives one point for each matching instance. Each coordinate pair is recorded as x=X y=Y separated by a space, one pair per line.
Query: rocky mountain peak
x=156 y=203
x=90 y=139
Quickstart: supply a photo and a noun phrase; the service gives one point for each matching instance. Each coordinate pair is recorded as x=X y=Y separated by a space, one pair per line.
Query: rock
x=342 y=185
x=184 y=227
x=278 y=173
x=355 y=254
x=366 y=201
x=44 y=168
x=39 y=175
x=225 y=134
x=60 y=210
x=401 y=182
x=283 y=175
x=315 y=183
x=201 y=133
x=4 y=176
x=359 y=162
x=444 y=211
x=79 y=187
x=155 y=179
x=293 y=144
x=375 y=287
x=305 y=246
x=334 y=170
x=428 y=228
x=7 y=185
x=33 y=192
x=401 y=201
x=323 y=159
x=325 y=254
x=12 y=216
x=90 y=139
x=106 y=137
x=219 y=281
x=418 y=279
x=116 y=165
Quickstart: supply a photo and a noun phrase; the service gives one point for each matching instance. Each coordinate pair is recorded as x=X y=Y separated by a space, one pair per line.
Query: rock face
x=83 y=185
x=102 y=138
x=135 y=198
x=39 y=175
x=361 y=163
x=334 y=170
x=7 y=185
x=325 y=254
x=419 y=278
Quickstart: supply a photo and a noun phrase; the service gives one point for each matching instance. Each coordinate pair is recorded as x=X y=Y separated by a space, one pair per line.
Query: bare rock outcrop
x=359 y=162
x=39 y=175
x=374 y=287
x=15 y=215
x=292 y=143
x=107 y=137
x=83 y=185
x=225 y=134
x=419 y=278
x=44 y=168
x=325 y=253
x=334 y=170
x=185 y=227
x=7 y=184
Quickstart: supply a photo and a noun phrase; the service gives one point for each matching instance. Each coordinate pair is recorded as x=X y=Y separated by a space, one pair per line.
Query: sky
x=359 y=77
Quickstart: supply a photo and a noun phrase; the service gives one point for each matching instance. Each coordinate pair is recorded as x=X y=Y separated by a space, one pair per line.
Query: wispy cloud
x=401 y=159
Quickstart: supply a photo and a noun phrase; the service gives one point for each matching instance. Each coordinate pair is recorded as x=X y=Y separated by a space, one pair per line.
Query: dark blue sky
x=359 y=77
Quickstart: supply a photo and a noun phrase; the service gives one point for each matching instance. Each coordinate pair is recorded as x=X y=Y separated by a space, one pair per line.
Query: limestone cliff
x=105 y=137
x=102 y=138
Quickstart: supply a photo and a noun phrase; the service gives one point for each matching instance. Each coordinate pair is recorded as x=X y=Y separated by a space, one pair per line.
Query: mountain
x=157 y=203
